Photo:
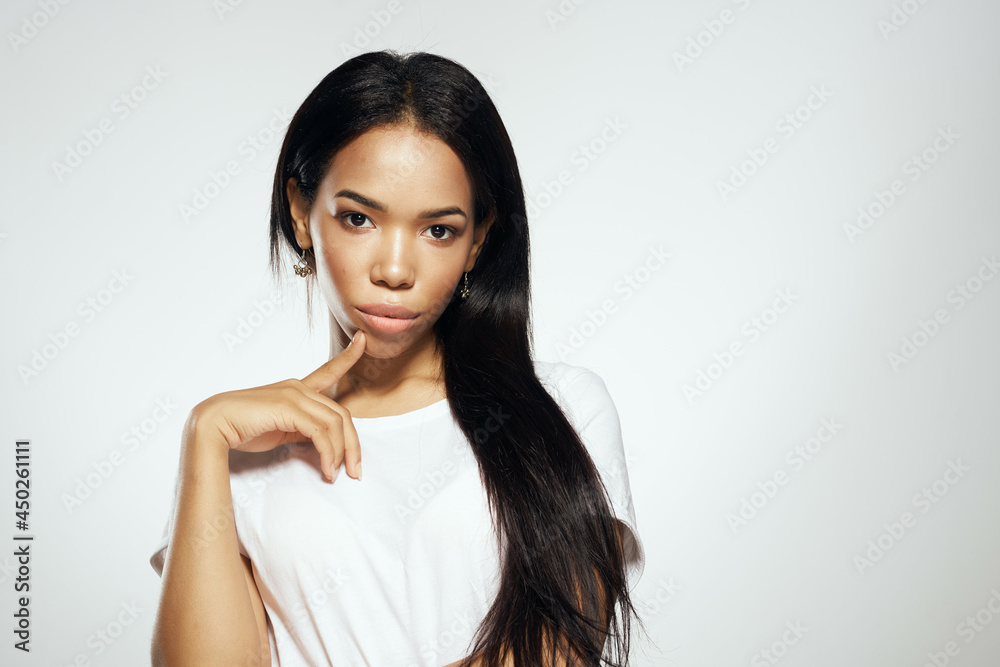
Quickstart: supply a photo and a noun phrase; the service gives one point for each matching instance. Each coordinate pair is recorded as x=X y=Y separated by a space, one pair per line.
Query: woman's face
x=391 y=227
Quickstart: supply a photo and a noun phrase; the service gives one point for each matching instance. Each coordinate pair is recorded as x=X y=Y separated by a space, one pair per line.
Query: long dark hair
x=563 y=587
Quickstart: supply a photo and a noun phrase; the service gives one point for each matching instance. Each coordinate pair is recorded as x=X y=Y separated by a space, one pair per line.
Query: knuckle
x=290 y=392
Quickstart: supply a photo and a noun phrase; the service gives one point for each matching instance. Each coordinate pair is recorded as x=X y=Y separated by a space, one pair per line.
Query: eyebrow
x=371 y=203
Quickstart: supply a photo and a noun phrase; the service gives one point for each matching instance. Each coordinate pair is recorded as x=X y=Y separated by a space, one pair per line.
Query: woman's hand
x=262 y=418
x=205 y=614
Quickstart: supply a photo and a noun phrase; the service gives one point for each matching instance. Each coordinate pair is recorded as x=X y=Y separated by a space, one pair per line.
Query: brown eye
x=354 y=220
x=441 y=232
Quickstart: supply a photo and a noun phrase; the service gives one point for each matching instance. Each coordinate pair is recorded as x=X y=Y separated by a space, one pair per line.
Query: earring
x=302 y=268
x=465 y=286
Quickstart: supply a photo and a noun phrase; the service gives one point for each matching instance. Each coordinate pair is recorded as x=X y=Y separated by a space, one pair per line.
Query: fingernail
x=358 y=468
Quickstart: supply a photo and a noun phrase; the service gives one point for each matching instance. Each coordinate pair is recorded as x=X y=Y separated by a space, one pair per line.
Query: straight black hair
x=563 y=587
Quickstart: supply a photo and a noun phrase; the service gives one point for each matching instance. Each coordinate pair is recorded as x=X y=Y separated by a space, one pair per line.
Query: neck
x=418 y=368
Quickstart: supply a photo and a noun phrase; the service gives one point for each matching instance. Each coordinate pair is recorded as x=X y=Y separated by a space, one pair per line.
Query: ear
x=300 y=213
x=478 y=238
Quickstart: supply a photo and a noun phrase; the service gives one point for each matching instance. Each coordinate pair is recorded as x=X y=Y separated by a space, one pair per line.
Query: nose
x=393 y=266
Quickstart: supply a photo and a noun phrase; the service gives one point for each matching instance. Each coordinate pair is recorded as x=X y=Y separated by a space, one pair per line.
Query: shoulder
x=584 y=398
x=566 y=378
x=580 y=392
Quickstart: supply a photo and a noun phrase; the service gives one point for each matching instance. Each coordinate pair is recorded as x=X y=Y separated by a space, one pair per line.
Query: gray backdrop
x=770 y=226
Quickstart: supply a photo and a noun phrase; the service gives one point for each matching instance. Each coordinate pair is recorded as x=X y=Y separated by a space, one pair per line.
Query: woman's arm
x=258 y=611
x=207 y=614
x=210 y=610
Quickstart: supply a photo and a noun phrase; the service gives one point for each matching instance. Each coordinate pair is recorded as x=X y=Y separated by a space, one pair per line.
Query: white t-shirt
x=401 y=567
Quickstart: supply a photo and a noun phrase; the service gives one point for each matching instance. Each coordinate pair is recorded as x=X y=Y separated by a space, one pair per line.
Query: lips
x=387 y=310
x=387 y=318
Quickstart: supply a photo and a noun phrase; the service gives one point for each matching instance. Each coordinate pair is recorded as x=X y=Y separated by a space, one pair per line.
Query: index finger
x=327 y=375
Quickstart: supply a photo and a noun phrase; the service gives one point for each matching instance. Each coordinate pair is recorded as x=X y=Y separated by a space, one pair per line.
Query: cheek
x=440 y=287
x=444 y=273
x=337 y=272
x=343 y=263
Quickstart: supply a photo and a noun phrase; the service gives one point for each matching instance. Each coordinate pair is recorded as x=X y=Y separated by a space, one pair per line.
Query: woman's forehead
x=399 y=163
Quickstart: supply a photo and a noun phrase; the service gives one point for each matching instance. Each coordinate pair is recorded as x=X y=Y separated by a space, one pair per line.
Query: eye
x=441 y=232
x=354 y=220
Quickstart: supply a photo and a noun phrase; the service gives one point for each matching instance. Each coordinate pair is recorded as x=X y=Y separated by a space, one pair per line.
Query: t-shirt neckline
x=417 y=416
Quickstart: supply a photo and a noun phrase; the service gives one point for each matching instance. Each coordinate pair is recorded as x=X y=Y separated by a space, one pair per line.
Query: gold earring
x=465 y=286
x=302 y=268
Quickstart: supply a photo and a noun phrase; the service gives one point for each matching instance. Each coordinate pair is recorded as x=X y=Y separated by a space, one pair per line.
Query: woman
x=481 y=528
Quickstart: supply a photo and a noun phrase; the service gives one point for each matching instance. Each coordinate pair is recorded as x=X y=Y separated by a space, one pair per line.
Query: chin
x=381 y=345
x=383 y=349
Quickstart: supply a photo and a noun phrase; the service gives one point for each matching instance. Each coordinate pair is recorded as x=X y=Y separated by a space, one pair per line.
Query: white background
x=716 y=591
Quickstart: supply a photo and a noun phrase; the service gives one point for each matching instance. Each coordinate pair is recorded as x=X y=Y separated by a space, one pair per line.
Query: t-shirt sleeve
x=592 y=412
x=160 y=554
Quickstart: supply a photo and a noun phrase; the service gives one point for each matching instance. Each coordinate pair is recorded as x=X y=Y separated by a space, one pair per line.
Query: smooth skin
x=210 y=610
x=392 y=223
